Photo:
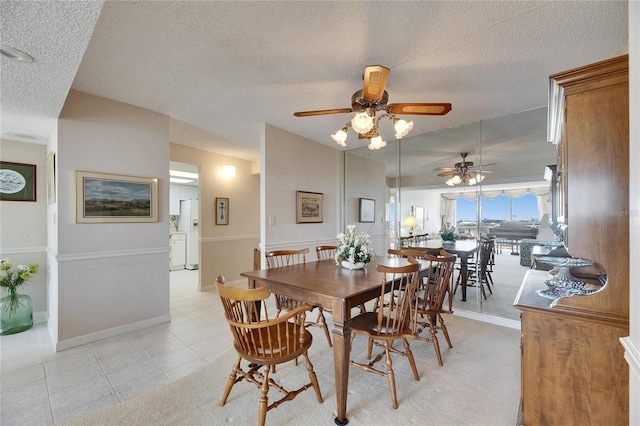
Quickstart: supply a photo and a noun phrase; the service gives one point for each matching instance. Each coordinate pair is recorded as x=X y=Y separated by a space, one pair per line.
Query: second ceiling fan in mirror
x=463 y=172
x=371 y=99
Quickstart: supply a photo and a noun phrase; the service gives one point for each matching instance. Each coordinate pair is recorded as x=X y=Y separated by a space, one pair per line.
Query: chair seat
x=280 y=351
x=367 y=323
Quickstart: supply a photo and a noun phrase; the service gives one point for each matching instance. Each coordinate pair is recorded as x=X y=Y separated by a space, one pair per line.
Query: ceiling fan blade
x=481 y=167
x=419 y=109
x=322 y=112
x=375 y=80
x=444 y=169
x=447 y=173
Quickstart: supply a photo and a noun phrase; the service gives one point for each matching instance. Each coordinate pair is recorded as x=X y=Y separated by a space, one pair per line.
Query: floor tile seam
x=153 y=360
x=106 y=375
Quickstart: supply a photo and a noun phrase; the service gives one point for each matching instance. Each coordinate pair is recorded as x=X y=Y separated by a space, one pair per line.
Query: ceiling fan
x=371 y=99
x=463 y=172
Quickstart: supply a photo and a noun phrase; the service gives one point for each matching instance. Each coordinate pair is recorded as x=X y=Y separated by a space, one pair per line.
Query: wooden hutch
x=573 y=367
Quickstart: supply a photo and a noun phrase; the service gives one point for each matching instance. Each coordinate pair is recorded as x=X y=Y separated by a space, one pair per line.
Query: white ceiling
x=221 y=69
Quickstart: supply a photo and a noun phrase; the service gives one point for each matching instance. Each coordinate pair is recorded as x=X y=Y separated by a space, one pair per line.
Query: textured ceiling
x=221 y=70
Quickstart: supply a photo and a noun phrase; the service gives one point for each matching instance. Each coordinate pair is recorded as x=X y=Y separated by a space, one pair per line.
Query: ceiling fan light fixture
x=402 y=127
x=377 y=142
x=340 y=137
x=362 y=122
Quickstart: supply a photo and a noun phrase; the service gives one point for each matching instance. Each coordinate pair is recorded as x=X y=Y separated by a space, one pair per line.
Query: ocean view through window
x=503 y=208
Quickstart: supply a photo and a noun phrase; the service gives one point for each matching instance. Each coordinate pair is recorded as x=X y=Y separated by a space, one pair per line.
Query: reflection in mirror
x=511 y=152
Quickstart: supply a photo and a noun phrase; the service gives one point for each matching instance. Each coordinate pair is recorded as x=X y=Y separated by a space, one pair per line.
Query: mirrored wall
x=511 y=153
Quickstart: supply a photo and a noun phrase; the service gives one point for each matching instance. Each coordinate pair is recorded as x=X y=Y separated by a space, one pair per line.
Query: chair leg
x=231 y=381
x=443 y=327
x=323 y=322
x=436 y=345
x=485 y=277
x=264 y=399
x=412 y=361
x=458 y=281
x=390 y=376
x=313 y=378
x=370 y=348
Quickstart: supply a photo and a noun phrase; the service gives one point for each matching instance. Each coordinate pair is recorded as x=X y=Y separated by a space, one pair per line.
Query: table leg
x=463 y=274
x=341 y=353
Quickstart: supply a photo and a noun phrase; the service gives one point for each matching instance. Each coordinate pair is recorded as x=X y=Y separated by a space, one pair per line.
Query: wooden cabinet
x=573 y=370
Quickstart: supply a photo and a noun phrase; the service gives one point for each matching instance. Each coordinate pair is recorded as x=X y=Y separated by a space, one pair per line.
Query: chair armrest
x=274 y=321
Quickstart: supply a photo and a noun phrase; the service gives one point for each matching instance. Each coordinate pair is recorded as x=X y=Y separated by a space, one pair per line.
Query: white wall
x=111 y=277
x=293 y=163
x=224 y=249
x=23 y=236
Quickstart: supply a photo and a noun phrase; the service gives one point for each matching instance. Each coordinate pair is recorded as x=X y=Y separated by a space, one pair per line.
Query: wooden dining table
x=329 y=286
x=464 y=249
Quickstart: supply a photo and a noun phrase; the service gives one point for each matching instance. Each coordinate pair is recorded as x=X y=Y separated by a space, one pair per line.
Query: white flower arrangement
x=354 y=248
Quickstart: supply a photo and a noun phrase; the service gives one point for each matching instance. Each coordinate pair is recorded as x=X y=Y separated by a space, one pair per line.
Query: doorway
x=184 y=213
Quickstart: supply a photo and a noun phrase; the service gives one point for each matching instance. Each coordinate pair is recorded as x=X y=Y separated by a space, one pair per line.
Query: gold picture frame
x=309 y=208
x=110 y=198
x=51 y=178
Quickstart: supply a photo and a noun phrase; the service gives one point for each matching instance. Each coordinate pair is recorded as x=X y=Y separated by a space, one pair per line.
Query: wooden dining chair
x=326 y=252
x=431 y=299
x=264 y=342
x=279 y=258
x=479 y=272
x=391 y=322
x=428 y=281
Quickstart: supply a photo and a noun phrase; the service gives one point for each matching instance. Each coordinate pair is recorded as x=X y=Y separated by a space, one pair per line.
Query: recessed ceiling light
x=14 y=54
x=25 y=136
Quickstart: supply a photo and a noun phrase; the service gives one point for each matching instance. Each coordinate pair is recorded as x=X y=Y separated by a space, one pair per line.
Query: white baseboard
x=62 y=345
x=504 y=322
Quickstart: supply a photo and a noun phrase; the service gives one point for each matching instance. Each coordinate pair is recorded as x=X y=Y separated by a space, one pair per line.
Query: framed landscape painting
x=308 y=207
x=17 y=181
x=106 y=198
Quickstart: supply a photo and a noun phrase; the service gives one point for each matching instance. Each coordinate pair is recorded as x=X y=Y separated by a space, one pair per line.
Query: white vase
x=348 y=265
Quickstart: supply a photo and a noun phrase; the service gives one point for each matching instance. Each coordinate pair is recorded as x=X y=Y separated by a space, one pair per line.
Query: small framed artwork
x=367 y=210
x=106 y=198
x=51 y=178
x=309 y=207
x=418 y=212
x=222 y=211
x=17 y=181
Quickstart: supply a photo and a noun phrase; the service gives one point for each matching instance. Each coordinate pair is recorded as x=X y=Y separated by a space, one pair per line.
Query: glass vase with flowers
x=16 y=310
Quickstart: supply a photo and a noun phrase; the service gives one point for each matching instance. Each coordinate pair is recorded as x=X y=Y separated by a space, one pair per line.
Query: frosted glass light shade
x=362 y=122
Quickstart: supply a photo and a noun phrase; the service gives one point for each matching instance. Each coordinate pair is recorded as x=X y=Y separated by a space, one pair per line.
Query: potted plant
x=354 y=251
x=16 y=311
x=448 y=234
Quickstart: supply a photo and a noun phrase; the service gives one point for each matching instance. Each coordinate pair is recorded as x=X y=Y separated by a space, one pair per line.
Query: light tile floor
x=39 y=386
